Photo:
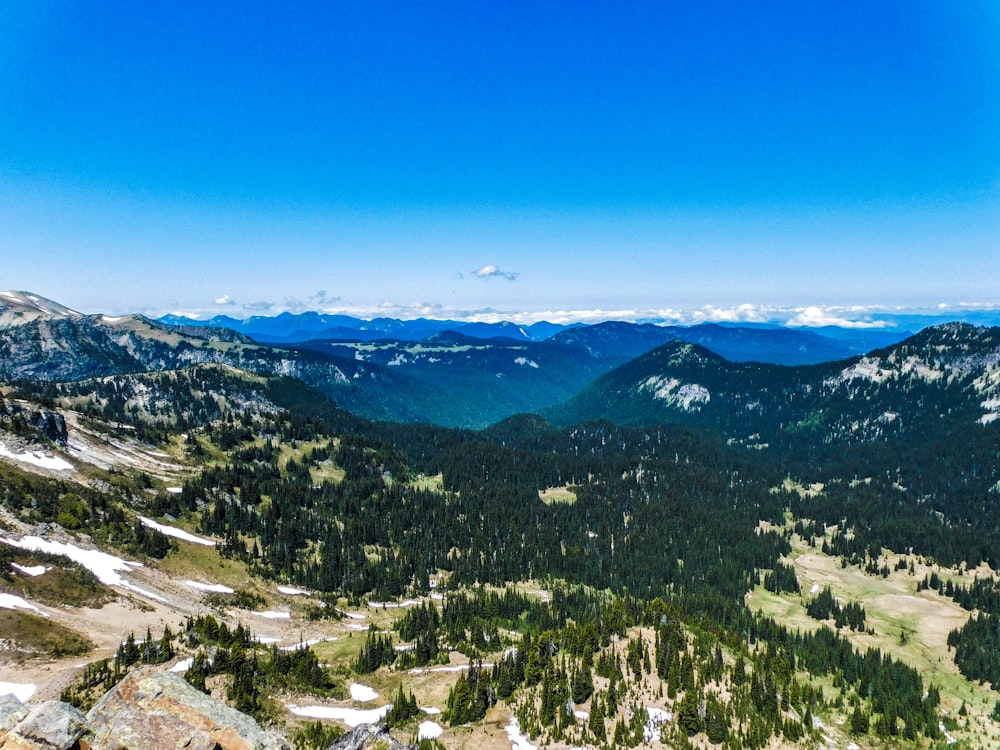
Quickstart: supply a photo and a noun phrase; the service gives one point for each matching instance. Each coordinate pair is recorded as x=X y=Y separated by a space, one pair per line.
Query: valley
x=692 y=552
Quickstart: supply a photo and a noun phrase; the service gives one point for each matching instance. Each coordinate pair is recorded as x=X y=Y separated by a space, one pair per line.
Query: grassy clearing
x=36 y=636
x=205 y=564
x=564 y=494
x=430 y=484
x=59 y=587
x=909 y=626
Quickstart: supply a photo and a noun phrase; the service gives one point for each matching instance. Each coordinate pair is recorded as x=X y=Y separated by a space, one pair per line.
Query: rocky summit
x=146 y=711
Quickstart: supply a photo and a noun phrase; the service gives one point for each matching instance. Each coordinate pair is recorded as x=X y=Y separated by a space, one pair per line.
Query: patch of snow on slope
x=352 y=615
x=657 y=718
x=429 y=730
x=362 y=693
x=526 y=361
x=20 y=690
x=37 y=458
x=518 y=741
x=9 y=601
x=291 y=591
x=32 y=570
x=392 y=605
x=303 y=644
x=176 y=533
x=352 y=717
x=686 y=396
x=273 y=615
x=107 y=568
x=216 y=588
x=183 y=665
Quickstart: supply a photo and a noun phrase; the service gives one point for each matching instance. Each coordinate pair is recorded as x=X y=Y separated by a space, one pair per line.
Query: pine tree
x=596 y=720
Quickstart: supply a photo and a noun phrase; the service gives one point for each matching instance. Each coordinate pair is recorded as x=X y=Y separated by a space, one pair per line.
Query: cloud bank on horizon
x=810 y=316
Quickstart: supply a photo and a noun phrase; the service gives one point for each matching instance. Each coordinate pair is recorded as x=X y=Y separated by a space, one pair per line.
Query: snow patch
x=814 y=589
x=518 y=740
x=302 y=644
x=216 y=588
x=37 y=458
x=657 y=718
x=20 y=690
x=183 y=665
x=352 y=717
x=429 y=730
x=430 y=710
x=525 y=361
x=178 y=534
x=352 y=615
x=30 y=570
x=9 y=601
x=107 y=568
x=291 y=591
x=175 y=490
x=362 y=693
x=391 y=605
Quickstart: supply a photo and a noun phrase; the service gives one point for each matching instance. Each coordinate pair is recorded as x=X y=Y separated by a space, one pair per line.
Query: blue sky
x=520 y=160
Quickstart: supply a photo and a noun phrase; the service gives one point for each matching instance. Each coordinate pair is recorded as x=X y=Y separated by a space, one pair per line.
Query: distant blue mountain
x=613 y=342
x=289 y=328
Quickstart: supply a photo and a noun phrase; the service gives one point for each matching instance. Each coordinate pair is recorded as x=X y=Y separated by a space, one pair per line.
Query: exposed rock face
x=160 y=710
x=46 y=725
x=11 y=712
x=367 y=736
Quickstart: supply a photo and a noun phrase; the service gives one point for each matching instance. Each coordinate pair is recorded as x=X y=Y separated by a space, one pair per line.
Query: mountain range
x=710 y=491
x=718 y=375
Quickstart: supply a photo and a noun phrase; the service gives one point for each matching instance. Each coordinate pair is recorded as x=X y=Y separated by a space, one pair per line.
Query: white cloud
x=815 y=316
x=493 y=271
x=225 y=299
x=744 y=313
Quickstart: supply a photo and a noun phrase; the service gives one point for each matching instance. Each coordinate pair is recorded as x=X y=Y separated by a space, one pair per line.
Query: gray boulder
x=367 y=736
x=11 y=711
x=50 y=724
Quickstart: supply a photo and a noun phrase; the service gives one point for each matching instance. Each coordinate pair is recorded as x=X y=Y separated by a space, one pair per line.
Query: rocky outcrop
x=368 y=737
x=160 y=709
x=11 y=712
x=146 y=711
x=44 y=726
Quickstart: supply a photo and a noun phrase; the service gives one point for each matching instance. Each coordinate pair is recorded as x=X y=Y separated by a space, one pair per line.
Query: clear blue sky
x=367 y=156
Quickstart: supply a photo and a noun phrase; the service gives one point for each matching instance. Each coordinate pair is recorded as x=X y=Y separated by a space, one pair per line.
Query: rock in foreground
x=160 y=709
x=145 y=711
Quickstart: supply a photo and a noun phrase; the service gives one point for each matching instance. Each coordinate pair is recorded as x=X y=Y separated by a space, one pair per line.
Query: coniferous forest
x=649 y=539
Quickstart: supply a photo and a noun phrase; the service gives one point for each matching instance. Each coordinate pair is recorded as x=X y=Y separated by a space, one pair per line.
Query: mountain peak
x=20 y=307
